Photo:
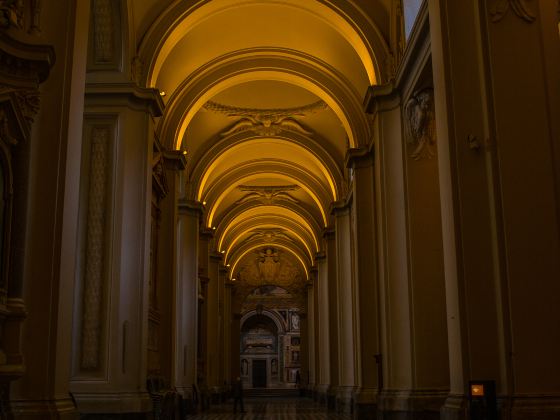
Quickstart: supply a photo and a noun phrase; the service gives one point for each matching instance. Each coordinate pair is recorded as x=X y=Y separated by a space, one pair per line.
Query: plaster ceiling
x=265 y=96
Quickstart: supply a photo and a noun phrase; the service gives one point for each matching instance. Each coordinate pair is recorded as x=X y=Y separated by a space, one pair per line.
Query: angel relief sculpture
x=268 y=265
x=420 y=124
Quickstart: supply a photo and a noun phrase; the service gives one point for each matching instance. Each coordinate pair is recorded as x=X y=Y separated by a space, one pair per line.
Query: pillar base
x=128 y=405
x=345 y=399
x=454 y=408
x=56 y=409
x=365 y=404
x=321 y=394
x=408 y=405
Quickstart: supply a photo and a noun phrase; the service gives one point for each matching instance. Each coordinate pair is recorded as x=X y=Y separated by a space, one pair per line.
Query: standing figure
x=238 y=395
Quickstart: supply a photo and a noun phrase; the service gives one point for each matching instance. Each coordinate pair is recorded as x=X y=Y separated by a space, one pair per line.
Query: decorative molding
x=270 y=235
x=103 y=31
x=267 y=194
x=420 y=124
x=266 y=122
x=95 y=248
x=500 y=8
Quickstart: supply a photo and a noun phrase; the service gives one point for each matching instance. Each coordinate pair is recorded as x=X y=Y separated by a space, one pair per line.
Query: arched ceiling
x=265 y=97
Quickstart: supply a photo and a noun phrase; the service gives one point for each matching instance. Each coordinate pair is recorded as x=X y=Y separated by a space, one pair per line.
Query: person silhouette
x=238 y=395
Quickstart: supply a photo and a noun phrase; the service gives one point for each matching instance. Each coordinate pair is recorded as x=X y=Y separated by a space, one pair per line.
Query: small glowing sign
x=477 y=390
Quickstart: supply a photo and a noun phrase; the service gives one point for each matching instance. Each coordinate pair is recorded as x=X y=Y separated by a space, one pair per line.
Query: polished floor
x=273 y=409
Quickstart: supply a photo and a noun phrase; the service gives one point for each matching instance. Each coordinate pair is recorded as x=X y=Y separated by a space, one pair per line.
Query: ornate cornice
x=24 y=65
x=143 y=98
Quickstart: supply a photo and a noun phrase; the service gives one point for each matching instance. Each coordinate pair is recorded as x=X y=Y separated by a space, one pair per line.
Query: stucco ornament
x=519 y=7
x=266 y=122
x=420 y=124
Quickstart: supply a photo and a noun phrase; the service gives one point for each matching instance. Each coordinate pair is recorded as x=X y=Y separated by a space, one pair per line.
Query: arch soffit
x=269 y=167
x=205 y=160
x=215 y=205
x=295 y=248
x=245 y=229
x=276 y=318
x=253 y=210
x=281 y=65
x=348 y=19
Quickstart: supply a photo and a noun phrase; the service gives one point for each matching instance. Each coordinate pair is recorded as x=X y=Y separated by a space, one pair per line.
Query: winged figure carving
x=266 y=122
x=420 y=124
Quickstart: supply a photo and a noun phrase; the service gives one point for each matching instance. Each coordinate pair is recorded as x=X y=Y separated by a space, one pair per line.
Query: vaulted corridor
x=352 y=200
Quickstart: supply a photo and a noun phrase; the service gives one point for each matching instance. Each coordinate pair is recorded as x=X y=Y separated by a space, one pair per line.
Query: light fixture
x=162 y=93
x=223 y=251
x=227 y=265
x=204 y=203
x=232 y=279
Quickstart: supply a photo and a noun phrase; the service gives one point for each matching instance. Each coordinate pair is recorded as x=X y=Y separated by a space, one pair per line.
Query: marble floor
x=272 y=409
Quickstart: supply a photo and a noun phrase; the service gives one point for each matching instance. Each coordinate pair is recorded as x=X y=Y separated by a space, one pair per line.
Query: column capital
x=328 y=233
x=319 y=256
x=192 y=207
x=360 y=157
x=175 y=160
x=216 y=256
x=340 y=207
x=206 y=233
x=381 y=98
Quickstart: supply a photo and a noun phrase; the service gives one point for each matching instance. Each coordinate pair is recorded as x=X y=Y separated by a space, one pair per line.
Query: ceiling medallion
x=267 y=194
x=266 y=122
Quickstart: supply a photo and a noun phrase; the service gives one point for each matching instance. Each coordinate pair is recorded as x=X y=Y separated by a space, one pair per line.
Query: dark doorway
x=259 y=373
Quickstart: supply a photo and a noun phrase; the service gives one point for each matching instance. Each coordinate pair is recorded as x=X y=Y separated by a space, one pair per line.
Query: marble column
x=412 y=288
x=366 y=293
x=235 y=334
x=227 y=340
x=344 y=307
x=36 y=321
x=311 y=334
x=213 y=324
x=186 y=300
x=332 y=309
x=497 y=79
x=114 y=243
x=323 y=336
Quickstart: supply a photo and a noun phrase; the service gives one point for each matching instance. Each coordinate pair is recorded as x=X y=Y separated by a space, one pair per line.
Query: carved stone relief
x=267 y=194
x=95 y=248
x=103 y=31
x=420 y=124
x=17 y=14
x=500 y=8
x=266 y=122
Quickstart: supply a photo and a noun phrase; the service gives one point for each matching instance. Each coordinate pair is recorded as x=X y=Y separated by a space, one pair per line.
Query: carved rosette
x=95 y=241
